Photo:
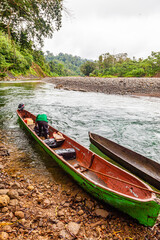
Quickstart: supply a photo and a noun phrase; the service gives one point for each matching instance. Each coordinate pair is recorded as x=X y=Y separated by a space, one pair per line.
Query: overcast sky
x=94 y=27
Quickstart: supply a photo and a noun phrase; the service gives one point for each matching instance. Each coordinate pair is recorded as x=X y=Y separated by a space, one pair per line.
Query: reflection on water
x=130 y=121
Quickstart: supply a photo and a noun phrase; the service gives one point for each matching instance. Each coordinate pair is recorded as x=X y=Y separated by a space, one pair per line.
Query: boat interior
x=130 y=157
x=91 y=166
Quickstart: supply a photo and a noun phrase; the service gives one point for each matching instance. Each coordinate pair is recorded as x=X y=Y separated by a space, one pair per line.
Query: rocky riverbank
x=122 y=86
x=34 y=206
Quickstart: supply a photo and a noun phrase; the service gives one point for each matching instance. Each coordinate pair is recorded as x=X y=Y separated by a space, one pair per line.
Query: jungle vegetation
x=25 y=24
x=64 y=64
x=120 y=65
x=23 y=27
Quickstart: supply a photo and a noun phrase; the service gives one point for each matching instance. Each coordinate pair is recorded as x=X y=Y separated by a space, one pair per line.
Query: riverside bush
x=11 y=59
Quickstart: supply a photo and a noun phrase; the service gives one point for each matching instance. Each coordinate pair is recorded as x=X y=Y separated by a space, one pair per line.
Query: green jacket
x=41 y=117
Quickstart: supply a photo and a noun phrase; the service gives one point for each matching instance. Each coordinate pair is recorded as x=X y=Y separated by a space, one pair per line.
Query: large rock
x=4 y=200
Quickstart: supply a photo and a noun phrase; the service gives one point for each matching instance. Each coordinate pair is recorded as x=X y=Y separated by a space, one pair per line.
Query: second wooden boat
x=141 y=166
x=100 y=178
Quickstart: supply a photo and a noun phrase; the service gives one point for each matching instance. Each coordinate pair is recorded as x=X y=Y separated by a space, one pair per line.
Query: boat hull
x=145 y=212
x=143 y=167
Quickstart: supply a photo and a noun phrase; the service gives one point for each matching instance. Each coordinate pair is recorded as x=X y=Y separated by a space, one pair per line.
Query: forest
x=120 y=65
x=23 y=27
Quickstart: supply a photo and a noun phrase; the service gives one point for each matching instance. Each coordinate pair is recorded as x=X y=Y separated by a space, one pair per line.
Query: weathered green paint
x=145 y=212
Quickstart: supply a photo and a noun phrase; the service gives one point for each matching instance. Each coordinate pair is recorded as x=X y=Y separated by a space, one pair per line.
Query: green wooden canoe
x=102 y=179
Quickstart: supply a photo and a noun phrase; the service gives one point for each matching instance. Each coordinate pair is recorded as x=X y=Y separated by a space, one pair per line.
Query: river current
x=133 y=122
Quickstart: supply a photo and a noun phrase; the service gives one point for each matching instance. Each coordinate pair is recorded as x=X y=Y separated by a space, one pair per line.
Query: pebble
x=15 y=185
x=66 y=204
x=5 y=209
x=30 y=188
x=13 y=194
x=4 y=200
x=60 y=225
x=101 y=212
x=4 y=236
x=78 y=199
x=21 y=192
x=2 y=186
x=61 y=213
x=64 y=234
x=81 y=212
x=73 y=228
x=7 y=228
x=13 y=202
x=19 y=214
x=89 y=204
x=46 y=202
x=4 y=191
x=1 y=166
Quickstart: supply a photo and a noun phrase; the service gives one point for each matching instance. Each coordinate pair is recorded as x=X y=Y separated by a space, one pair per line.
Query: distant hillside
x=64 y=64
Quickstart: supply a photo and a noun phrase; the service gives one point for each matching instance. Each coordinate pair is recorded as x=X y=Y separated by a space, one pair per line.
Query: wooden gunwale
x=141 y=166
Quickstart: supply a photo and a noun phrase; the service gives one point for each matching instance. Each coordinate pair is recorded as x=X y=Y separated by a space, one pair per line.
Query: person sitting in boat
x=42 y=122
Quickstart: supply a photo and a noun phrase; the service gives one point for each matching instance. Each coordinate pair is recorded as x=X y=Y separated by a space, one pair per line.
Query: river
x=130 y=121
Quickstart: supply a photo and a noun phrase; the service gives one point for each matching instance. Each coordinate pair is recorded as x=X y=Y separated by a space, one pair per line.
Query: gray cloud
x=114 y=26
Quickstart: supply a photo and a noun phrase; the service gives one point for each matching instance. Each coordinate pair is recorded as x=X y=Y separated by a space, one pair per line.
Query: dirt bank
x=34 y=206
x=123 y=86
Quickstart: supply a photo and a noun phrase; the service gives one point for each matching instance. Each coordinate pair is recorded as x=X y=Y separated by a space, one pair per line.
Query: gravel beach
x=122 y=86
x=35 y=207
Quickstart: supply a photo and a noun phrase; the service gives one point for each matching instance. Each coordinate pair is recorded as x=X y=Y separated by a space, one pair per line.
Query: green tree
x=35 y=18
x=11 y=59
x=71 y=63
x=88 y=67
